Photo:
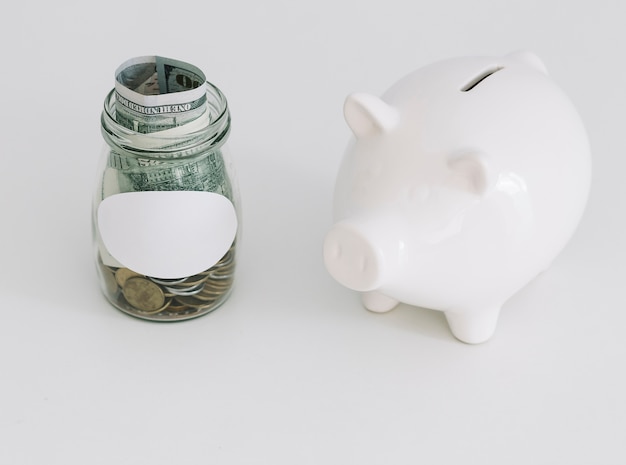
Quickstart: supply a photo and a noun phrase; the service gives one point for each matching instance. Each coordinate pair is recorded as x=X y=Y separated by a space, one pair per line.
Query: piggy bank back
x=462 y=183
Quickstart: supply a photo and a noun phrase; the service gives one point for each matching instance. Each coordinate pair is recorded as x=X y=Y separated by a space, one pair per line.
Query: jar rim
x=210 y=134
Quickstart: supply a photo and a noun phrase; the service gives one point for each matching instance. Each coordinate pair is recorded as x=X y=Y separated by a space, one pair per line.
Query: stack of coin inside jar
x=170 y=299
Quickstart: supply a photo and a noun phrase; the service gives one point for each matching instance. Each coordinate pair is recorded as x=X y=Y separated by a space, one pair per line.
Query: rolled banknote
x=154 y=94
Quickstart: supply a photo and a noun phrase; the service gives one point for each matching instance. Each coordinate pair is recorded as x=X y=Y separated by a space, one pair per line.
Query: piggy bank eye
x=469 y=173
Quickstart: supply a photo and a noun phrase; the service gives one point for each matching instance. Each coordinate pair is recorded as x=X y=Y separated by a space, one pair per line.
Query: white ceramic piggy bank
x=464 y=181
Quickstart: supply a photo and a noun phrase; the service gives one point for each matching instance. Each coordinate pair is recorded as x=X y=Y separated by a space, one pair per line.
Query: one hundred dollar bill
x=130 y=174
x=155 y=94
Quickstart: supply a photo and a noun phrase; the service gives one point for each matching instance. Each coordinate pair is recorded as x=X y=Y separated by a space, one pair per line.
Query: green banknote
x=156 y=96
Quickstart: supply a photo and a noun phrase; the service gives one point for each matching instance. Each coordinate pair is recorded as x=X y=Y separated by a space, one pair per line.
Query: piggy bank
x=461 y=184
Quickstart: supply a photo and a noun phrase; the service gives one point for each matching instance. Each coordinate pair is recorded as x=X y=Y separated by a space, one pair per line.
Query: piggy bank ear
x=368 y=115
x=469 y=172
x=527 y=58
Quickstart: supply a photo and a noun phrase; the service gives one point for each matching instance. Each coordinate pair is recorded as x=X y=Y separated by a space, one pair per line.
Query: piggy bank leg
x=473 y=327
x=377 y=302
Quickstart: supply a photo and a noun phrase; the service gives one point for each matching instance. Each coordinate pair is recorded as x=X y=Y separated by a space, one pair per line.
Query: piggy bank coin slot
x=481 y=77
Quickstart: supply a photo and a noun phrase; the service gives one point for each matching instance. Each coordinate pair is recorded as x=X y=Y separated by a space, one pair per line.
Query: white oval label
x=167 y=235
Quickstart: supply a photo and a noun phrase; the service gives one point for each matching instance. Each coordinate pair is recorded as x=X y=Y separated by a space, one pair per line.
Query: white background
x=292 y=370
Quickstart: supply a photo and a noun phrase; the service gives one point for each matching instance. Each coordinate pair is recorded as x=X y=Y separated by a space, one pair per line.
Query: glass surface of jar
x=166 y=215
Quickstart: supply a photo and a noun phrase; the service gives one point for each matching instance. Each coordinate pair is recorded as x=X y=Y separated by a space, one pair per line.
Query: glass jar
x=166 y=216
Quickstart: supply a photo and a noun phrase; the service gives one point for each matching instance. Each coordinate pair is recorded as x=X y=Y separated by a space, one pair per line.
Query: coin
x=176 y=306
x=214 y=277
x=122 y=274
x=170 y=299
x=143 y=294
x=220 y=283
x=192 y=301
x=159 y=310
x=207 y=298
x=167 y=282
x=185 y=290
x=192 y=281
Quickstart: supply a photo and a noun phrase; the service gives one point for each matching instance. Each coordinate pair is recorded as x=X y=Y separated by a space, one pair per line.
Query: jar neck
x=208 y=132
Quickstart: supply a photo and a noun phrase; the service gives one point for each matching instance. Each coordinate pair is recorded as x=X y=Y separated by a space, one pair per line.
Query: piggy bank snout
x=352 y=258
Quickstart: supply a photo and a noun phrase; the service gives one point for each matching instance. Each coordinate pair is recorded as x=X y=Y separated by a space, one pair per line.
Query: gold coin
x=143 y=294
x=213 y=292
x=159 y=310
x=206 y=298
x=220 y=283
x=122 y=274
x=192 y=301
x=176 y=306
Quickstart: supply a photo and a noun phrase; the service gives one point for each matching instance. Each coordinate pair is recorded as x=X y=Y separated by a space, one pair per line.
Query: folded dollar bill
x=154 y=94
